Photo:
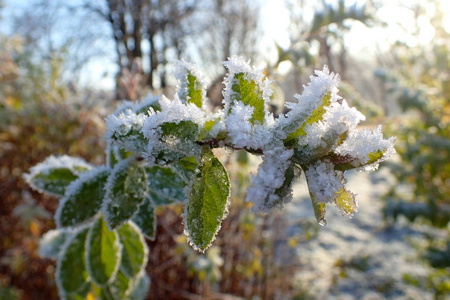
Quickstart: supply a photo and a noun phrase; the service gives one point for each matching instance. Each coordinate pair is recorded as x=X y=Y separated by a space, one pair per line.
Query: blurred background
x=64 y=66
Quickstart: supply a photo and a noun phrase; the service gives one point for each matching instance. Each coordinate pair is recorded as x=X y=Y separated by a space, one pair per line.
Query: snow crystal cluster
x=318 y=135
x=243 y=131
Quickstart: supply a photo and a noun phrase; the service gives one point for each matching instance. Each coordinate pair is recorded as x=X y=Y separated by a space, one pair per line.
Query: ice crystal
x=183 y=73
x=323 y=181
x=270 y=178
x=367 y=148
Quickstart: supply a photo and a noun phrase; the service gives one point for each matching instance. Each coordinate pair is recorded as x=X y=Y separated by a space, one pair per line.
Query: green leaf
x=186 y=168
x=317 y=115
x=320 y=210
x=249 y=93
x=134 y=250
x=116 y=154
x=81 y=294
x=194 y=90
x=165 y=186
x=83 y=198
x=140 y=287
x=344 y=163
x=125 y=191
x=52 y=242
x=179 y=139
x=208 y=202
x=115 y=290
x=145 y=219
x=103 y=252
x=207 y=128
x=71 y=273
x=286 y=189
x=55 y=174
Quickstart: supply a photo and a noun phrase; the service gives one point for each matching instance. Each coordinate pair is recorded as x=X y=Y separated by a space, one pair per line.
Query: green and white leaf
x=177 y=141
x=83 y=198
x=191 y=87
x=115 y=154
x=249 y=93
x=139 y=287
x=125 y=191
x=115 y=290
x=71 y=273
x=186 y=168
x=103 y=250
x=346 y=202
x=134 y=250
x=316 y=116
x=54 y=174
x=53 y=241
x=208 y=202
x=145 y=219
x=165 y=186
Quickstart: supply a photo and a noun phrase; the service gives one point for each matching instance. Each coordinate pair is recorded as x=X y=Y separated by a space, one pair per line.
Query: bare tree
x=228 y=28
x=327 y=28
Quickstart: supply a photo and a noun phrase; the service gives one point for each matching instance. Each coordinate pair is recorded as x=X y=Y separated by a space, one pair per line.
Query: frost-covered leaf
x=317 y=115
x=320 y=210
x=53 y=175
x=138 y=290
x=125 y=191
x=208 y=202
x=134 y=250
x=272 y=187
x=83 y=198
x=52 y=242
x=149 y=103
x=346 y=202
x=324 y=182
x=178 y=140
x=71 y=273
x=191 y=87
x=115 y=154
x=165 y=186
x=246 y=85
x=124 y=130
x=246 y=119
x=186 y=168
x=103 y=251
x=81 y=294
x=363 y=149
x=115 y=290
x=248 y=92
x=172 y=132
x=145 y=219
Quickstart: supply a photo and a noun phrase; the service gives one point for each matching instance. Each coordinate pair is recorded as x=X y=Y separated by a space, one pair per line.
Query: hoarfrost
x=320 y=85
x=75 y=187
x=241 y=131
x=323 y=181
x=270 y=177
x=52 y=242
x=182 y=70
x=75 y=165
x=363 y=145
x=171 y=112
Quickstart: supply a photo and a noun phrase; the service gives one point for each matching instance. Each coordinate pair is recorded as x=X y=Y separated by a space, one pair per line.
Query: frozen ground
x=359 y=258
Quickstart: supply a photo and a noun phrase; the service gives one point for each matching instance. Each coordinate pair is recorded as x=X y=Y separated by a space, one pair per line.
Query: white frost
x=323 y=83
x=171 y=112
x=270 y=177
x=76 y=165
x=241 y=132
x=324 y=181
x=359 y=144
x=182 y=69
